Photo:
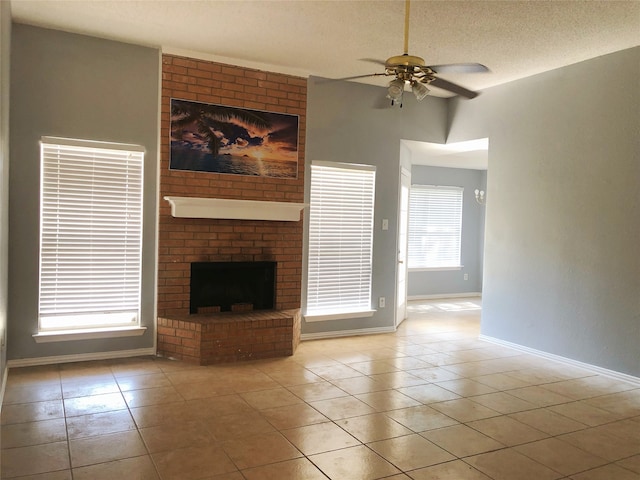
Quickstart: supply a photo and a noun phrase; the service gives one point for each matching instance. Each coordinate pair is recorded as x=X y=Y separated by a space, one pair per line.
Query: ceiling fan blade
x=459 y=68
x=359 y=76
x=377 y=61
x=453 y=88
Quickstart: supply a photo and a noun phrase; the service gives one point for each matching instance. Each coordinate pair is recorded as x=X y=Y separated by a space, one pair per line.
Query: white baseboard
x=568 y=361
x=444 y=295
x=80 y=357
x=346 y=333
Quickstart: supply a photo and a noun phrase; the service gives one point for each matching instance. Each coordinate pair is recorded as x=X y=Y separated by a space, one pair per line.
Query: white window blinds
x=435 y=227
x=90 y=234
x=340 y=238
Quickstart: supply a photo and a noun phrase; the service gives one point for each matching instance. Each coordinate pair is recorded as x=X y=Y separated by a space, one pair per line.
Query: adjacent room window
x=340 y=240
x=90 y=234
x=435 y=227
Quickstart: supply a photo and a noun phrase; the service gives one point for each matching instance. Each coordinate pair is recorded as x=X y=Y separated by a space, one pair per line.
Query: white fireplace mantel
x=196 y=207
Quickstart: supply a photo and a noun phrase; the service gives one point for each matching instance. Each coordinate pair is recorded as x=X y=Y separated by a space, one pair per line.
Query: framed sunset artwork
x=223 y=139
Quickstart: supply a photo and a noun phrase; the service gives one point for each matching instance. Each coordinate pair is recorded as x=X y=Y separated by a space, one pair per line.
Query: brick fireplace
x=210 y=337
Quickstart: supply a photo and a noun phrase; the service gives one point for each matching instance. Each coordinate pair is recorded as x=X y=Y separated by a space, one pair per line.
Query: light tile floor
x=428 y=402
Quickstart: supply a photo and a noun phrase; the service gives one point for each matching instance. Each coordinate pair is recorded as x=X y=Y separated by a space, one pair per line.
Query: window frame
x=121 y=181
x=346 y=300
x=432 y=197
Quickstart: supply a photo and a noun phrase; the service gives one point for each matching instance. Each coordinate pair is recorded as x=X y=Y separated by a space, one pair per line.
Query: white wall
x=562 y=261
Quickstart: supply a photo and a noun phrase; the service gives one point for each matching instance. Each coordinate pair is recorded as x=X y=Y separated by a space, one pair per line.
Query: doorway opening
x=463 y=165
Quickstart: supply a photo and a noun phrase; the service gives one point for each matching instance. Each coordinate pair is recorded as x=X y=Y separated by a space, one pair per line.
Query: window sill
x=436 y=269
x=339 y=316
x=88 y=334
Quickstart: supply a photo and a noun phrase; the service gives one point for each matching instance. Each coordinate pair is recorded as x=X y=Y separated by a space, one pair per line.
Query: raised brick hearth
x=229 y=337
x=234 y=336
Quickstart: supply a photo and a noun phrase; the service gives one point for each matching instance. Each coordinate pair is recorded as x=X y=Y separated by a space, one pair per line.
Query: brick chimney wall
x=186 y=240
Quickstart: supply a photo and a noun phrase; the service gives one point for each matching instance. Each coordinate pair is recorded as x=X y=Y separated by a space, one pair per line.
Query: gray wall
x=562 y=262
x=75 y=86
x=346 y=122
x=5 y=54
x=444 y=282
x=561 y=272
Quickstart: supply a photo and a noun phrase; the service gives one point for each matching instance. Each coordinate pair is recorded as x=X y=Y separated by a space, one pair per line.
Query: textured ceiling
x=329 y=38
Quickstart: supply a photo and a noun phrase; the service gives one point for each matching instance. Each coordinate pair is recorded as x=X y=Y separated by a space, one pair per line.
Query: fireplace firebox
x=232 y=286
x=232 y=316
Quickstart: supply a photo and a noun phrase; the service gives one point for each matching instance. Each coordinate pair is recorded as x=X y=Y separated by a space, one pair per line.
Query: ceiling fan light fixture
x=420 y=90
x=395 y=89
x=412 y=70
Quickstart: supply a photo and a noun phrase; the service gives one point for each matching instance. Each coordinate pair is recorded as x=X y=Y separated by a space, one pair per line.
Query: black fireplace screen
x=232 y=286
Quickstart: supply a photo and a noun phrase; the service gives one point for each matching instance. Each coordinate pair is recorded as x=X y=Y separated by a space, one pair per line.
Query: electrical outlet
x=466 y=276
x=381 y=302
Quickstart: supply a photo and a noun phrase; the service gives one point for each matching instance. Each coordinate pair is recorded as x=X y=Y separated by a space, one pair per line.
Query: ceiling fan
x=410 y=70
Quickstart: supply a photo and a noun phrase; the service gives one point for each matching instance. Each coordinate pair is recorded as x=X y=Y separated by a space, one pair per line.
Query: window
x=90 y=234
x=340 y=240
x=435 y=227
